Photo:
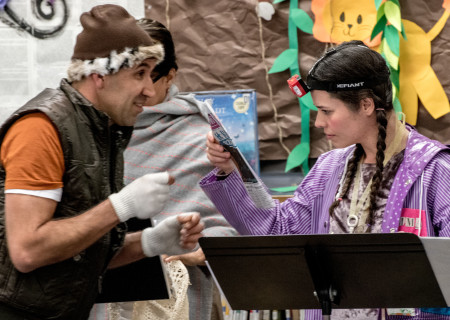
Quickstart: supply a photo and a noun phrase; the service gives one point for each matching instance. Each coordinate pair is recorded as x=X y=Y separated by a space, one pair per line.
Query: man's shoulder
x=44 y=95
x=44 y=102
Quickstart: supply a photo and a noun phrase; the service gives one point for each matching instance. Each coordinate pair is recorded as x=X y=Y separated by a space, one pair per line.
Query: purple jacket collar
x=418 y=153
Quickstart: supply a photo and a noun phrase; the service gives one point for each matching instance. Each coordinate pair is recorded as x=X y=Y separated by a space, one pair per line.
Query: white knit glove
x=144 y=198
x=163 y=239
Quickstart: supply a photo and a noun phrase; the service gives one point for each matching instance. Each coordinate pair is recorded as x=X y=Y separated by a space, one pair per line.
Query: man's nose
x=149 y=89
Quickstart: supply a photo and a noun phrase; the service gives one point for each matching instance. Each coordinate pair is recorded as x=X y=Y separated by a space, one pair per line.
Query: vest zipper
x=100 y=283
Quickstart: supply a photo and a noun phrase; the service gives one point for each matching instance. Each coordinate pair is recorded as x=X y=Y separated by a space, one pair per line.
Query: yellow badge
x=241 y=104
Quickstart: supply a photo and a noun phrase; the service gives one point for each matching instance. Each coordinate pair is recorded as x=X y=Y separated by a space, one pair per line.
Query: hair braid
x=378 y=176
x=350 y=174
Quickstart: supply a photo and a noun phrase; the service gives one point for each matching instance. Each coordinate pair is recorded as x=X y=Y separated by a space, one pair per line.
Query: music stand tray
x=330 y=271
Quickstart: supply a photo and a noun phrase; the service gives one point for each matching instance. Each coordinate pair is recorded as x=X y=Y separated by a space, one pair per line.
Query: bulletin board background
x=224 y=45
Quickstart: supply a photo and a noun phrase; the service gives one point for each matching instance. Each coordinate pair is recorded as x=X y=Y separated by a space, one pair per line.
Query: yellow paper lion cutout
x=343 y=20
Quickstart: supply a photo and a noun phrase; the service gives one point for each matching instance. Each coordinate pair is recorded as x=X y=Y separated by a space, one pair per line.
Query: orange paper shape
x=417 y=78
x=337 y=21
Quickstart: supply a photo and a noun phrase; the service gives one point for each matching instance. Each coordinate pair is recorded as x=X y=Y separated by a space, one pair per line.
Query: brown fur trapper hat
x=110 y=40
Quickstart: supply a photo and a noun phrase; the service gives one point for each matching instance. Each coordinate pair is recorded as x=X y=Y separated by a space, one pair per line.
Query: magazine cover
x=255 y=188
x=236 y=110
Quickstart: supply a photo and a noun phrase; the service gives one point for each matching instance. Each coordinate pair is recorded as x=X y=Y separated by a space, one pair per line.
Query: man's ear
x=98 y=79
x=367 y=106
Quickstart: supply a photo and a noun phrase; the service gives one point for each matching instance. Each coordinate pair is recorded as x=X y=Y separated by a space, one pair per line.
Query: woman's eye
x=155 y=76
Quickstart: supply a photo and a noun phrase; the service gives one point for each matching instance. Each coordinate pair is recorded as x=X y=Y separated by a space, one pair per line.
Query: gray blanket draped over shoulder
x=171 y=136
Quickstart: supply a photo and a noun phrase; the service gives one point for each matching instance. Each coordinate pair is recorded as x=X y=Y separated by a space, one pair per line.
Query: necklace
x=360 y=206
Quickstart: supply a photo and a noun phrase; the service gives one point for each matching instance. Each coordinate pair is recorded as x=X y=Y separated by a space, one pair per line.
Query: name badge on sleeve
x=406 y=312
x=413 y=221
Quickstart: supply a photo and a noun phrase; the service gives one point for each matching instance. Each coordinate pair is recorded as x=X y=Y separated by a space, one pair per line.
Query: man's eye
x=140 y=74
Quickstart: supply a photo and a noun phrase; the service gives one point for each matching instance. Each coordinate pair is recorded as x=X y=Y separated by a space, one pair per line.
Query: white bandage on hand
x=144 y=198
x=163 y=239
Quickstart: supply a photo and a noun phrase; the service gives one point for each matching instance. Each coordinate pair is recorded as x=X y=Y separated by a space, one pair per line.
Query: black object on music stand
x=145 y=279
x=343 y=271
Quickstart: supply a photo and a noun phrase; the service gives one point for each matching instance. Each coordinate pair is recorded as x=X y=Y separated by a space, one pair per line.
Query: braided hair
x=352 y=61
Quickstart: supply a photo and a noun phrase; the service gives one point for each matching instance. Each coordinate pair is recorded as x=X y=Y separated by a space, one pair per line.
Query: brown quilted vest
x=93 y=156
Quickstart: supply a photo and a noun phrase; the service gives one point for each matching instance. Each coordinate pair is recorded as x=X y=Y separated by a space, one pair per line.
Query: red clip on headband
x=298 y=86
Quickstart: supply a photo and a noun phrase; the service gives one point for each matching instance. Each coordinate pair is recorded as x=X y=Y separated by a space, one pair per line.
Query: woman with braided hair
x=381 y=176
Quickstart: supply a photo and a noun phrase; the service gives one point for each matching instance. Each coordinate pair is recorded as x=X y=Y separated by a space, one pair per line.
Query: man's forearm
x=130 y=252
x=36 y=239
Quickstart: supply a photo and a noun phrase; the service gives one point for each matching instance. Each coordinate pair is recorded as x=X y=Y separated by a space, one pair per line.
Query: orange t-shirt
x=32 y=155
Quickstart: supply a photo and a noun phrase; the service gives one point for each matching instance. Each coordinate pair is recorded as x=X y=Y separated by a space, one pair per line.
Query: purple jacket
x=425 y=171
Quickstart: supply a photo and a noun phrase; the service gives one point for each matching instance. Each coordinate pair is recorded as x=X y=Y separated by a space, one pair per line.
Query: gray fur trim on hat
x=78 y=69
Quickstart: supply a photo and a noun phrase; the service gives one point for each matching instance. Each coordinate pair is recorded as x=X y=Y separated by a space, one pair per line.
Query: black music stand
x=330 y=271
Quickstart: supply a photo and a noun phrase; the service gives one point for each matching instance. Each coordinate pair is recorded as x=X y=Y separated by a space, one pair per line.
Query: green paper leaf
x=395 y=77
x=302 y=20
x=403 y=32
x=391 y=58
x=379 y=27
x=398 y=107
x=284 y=60
x=308 y=102
x=297 y=156
x=393 y=39
x=383 y=55
x=278 y=1
x=396 y=2
x=381 y=50
x=285 y=189
x=380 y=11
x=378 y=3
x=393 y=14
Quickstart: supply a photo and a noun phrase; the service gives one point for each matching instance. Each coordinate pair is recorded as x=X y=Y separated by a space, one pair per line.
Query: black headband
x=331 y=86
x=345 y=85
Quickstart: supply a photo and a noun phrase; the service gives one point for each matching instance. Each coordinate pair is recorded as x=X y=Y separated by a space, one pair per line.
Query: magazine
x=236 y=110
x=253 y=184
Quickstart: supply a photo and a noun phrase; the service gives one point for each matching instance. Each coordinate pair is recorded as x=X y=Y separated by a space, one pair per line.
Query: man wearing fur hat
x=62 y=207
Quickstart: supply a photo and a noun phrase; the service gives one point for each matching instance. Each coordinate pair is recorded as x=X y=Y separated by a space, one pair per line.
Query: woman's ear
x=367 y=106
x=171 y=76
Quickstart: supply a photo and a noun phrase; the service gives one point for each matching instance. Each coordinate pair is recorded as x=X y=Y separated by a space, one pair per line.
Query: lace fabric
x=174 y=308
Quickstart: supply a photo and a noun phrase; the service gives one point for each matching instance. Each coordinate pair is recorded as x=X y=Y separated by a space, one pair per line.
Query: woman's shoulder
x=336 y=155
x=440 y=162
x=328 y=164
x=420 y=148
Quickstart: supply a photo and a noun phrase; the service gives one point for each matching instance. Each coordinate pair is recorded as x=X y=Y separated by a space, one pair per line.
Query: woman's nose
x=319 y=122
